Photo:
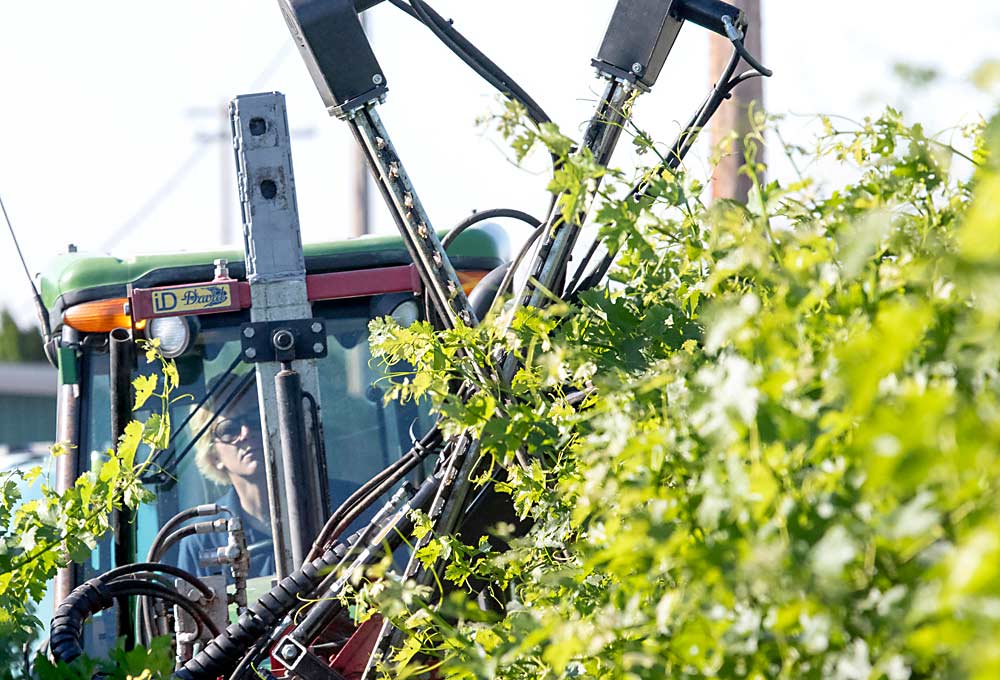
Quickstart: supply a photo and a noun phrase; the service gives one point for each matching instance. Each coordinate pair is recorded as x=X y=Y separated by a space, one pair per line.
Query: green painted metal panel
x=81 y=271
x=68 y=368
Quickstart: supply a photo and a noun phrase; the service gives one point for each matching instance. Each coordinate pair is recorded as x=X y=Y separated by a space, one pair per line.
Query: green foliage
x=787 y=464
x=17 y=344
x=137 y=664
x=38 y=537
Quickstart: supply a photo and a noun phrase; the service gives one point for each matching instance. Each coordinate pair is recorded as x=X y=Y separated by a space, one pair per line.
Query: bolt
x=380 y=143
x=437 y=259
x=283 y=340
x=289 y=652
x=394 y=170
x=422 y=230
x=250 y=353
x=317 y=327
x=318 y=347
x=408 y=200
x=377 y=78
x=248 y=332
x=637 y=68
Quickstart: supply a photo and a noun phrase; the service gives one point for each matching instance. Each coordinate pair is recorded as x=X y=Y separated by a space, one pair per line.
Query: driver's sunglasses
x=229 y=429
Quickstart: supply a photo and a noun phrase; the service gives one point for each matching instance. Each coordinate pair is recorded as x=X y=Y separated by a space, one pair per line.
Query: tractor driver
x=231 y=453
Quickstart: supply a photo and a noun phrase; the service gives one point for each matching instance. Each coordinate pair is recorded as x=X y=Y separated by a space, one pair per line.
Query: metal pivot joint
x=337 y=53
x=642 y=33
x=283 y=340
x=638 y=40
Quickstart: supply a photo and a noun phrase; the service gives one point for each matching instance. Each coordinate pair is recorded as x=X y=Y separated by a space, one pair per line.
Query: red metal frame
x=330 y=286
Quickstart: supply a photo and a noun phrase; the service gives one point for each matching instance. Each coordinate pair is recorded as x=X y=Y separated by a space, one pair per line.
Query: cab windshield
x=216 y=436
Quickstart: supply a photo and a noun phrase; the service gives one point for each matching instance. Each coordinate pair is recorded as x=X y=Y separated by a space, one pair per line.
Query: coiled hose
x=225 y=651
x=66 y=632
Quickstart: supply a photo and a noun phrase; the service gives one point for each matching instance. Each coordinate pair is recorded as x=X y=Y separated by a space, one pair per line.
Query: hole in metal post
x=258 y=126
x=268 y=189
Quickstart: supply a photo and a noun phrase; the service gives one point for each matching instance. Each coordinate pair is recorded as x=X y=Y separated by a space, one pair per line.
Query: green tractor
x=96 y=305
x=287 y=473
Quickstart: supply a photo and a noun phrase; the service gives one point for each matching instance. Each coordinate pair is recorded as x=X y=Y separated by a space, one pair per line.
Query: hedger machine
x=283 y=328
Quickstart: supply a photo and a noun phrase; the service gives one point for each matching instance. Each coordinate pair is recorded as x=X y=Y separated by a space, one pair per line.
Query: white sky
x=103 y=102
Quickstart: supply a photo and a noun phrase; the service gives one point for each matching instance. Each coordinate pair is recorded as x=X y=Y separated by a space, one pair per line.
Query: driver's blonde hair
x=205 y=457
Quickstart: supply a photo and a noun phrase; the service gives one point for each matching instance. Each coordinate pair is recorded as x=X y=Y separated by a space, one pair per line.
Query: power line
x=154 y=201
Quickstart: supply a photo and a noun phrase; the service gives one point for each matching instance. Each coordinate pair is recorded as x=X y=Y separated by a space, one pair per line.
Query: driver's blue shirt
x=258 y=542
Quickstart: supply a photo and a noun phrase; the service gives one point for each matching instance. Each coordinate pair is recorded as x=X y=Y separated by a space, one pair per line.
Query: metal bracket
x=283 y=340
x=638 y=40
x=337 y=53
x=301 y=663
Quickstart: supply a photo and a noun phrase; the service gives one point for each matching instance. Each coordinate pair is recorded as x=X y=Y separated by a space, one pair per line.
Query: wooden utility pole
x=733 y=115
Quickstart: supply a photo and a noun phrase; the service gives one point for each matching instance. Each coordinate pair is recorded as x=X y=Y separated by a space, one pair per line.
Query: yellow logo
x=193 y=299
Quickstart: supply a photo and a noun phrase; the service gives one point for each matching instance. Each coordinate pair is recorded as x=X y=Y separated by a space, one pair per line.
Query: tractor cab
x=199 y=307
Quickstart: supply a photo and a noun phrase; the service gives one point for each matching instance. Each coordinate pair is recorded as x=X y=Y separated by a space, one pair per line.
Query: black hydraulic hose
x=222 y=653
x=126 y=586
x=96 y=595
x=374 y=495
x=205 y=510
x=132 y=569
x=248 y=659
x=386 y=531
x=421 y=450
x=508 y=278
x=719 y=92
x=66 y=629
x=735 y=35
x=478 y=217
x=471 y=55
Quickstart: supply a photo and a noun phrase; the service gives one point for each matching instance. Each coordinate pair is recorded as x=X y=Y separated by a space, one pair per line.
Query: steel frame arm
x=636 y=45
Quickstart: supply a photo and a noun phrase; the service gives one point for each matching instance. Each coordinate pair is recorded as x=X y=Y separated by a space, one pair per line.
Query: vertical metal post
x=291 y=427
x=275 y=268
x=122 y=360
x=68 y=434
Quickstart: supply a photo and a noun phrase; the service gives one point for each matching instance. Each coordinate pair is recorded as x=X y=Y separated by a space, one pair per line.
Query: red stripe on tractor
x=363 y=282
x=330 y=286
